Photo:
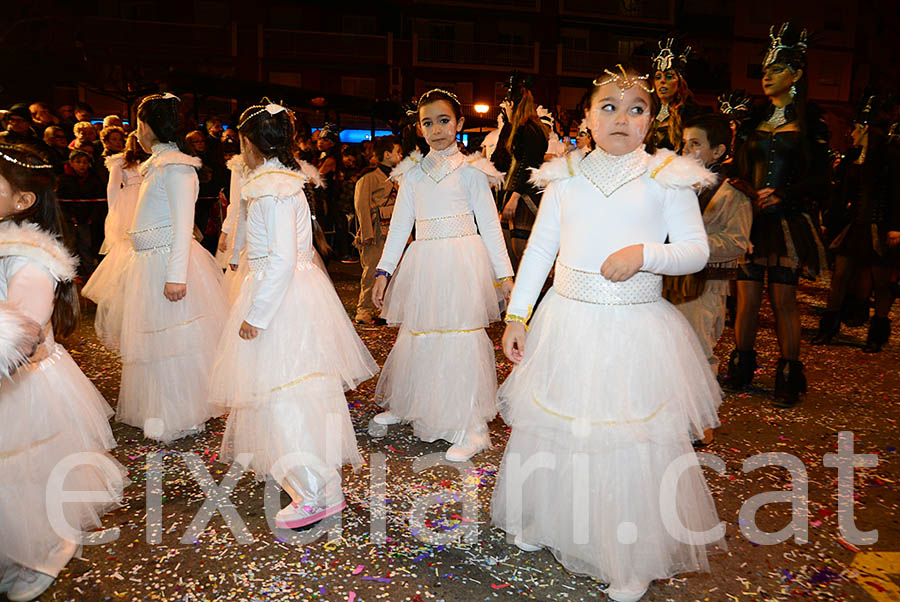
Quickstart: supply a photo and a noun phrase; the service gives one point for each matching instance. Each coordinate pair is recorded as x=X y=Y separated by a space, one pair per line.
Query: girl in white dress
x=610 y=381
x=173 y=304
x=288 y=351
x=49 y=410
x=441 y=376
x=106 y=284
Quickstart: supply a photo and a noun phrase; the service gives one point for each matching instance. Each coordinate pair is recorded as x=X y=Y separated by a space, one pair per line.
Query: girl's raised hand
x=248 y=331
x=514 y=341
x=506 y=288
x=623 y=264
x=378 y=291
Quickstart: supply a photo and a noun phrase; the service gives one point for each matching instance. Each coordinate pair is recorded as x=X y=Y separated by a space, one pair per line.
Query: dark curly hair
x=272 y=134
x=163 y=116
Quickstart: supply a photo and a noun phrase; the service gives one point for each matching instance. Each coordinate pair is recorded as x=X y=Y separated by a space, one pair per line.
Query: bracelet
x=504 y=279
x=514 y=318
x=382 y=273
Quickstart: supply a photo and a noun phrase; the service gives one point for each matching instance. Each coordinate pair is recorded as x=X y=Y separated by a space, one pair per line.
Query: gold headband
x=25 y=165
x=624 y=81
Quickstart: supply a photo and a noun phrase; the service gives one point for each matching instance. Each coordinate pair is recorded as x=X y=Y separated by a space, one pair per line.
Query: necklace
x=778 y=118
x=663 y=112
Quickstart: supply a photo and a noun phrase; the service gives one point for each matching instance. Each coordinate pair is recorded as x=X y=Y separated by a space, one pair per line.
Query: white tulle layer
x=51 y=411
x=310 y=336
x=310 y=430
x=443 y=284
x=168 y=347
x=598 y=510
x=224 y=257
x=235 y=278
x=443 y=383
x=106 y=287
x=616 y=374
x=120 y=217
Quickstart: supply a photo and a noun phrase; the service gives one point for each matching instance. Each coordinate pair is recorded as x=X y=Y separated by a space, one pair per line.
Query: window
x=358 y=86
x=574 y=39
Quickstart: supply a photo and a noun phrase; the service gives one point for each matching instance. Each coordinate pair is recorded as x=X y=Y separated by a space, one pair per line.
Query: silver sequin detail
x=592 y=287
x=451 y=226
x=257 y=265
x=151 y=239
x=777 y=119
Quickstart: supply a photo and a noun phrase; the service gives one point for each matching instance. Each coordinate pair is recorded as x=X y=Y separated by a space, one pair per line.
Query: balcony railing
x=476 y=55
x=583 y=63
x=325 y=47
x=642 y=11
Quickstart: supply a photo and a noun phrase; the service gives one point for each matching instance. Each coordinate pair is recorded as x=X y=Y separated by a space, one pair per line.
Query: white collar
x=610 y=172
x=438 y=164
x=162 y=147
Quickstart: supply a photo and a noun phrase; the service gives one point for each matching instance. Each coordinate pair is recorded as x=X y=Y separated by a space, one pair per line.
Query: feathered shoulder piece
x=484 y=165
x=172 y=157
x=236 y=164
x=413 y=159
x=274 y=179
x=30 y=241
x=12 y=332
x=114 y=160
x=560 y=168
x=312 y=174
x=671 y=170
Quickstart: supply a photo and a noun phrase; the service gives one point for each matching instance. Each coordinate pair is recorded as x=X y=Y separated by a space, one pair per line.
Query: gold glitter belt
x=151 y=239
x=257 y=265
x=592 y=287
x=451 y=226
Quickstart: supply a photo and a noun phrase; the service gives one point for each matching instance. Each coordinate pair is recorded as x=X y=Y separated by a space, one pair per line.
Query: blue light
x=355 y=136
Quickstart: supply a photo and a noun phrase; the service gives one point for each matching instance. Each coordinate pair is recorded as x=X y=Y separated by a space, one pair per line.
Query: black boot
x=879 y=333
x=829 y=326
x=741 y=366
x=790 y=382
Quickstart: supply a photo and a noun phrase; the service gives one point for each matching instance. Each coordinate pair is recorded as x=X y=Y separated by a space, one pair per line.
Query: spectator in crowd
x=83 y=111
x=57 y=147
x=214 y=129
x=67 y=120
x=112 y=137
x=78 y=184
x=85 y=137
x=41 y=117
x=18 y=127
x=214 y=178
x=231 y=146
x=114 y=120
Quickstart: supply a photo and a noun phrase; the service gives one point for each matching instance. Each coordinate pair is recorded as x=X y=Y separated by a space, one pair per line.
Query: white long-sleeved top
x=597 y=204
x=167 y=198
x=278 y=226
x=443 y=184
x=32 y=262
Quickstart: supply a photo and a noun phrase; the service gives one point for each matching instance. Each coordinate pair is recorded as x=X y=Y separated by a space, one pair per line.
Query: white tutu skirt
x=310 y=337
x=234 y=279
x=443 y=284
x=106 y=288
x=168 y=347
x=611 y=394
x=119 y=218
x=49 y=412
x=310 y=430
x=444 y=383
x=224 y=257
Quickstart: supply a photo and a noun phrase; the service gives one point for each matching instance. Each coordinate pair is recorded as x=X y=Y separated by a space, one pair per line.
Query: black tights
x=844 y=269
x=783 y=298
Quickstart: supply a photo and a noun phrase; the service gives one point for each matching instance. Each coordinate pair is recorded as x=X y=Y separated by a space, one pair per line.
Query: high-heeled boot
x=879 y=333
x=790 y=382
x=829 y=326
x=741 y=366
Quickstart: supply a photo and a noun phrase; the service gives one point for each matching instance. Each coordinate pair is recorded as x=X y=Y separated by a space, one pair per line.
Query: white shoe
x=626 y=595
x=471 y=444
x=387 y=419
x=525 y=546
x=9 y=577
x=29 y=585
x=294 y=516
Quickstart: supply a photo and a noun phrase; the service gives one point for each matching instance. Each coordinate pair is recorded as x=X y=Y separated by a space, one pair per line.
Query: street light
x=481 y=109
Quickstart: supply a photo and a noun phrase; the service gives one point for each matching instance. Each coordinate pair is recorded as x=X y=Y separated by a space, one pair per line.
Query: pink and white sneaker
x=294 y=516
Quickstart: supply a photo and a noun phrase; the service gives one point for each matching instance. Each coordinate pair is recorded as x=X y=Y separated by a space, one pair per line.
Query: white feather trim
x=484 y=165
x=675 y=171
x=268 y=181
x=312 y=174
x=11 y=335
x=116 y=160
x=404 y=166
x=236 y=163
x=28 y=240
x=173 y=157
x=560 y=168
